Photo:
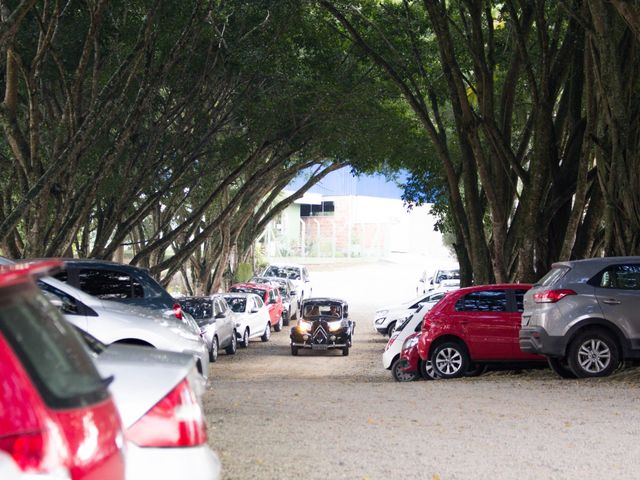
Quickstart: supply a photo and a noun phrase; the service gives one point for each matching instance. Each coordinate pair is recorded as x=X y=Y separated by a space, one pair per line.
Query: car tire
x=294 y=351
x=427 y=371
x=450 y=360
x=399 y=375
x=475 y=370
x=233 y=346
x=593 y=353
x=561 y=367
x=285 y=321
x=244 y=343
x=391 y=328
x=278 y=326
x=267 y=333
x=213 y=352
x=345 y=352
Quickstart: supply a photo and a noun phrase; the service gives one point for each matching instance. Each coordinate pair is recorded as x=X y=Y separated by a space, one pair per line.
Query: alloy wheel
x=449 y=361
x=594 y=356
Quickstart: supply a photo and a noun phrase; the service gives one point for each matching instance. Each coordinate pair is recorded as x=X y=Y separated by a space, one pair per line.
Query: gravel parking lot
x=324 y=416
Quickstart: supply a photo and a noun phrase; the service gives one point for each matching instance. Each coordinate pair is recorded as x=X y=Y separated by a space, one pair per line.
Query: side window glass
x=66 y=304
x=622 y=277
x=259 y=302
x=519 y=296
x=110 y=284
x=484 y=301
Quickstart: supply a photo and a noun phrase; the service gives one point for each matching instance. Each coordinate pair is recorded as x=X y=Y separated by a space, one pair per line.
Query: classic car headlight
x=336 y=325
x=304 y=326
x=410 y=342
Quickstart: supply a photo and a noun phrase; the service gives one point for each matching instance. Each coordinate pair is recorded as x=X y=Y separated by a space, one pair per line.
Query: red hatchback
x=269 y=295
x=56 y=414
x=474 y=325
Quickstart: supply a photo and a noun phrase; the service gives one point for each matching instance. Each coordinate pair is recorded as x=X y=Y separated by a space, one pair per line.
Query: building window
x=311 y=210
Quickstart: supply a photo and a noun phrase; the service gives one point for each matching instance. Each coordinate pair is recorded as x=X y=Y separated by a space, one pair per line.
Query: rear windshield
x=257 y=291
x=198 y=308
x=237 y=304
x=554 y=275
x=50 y=350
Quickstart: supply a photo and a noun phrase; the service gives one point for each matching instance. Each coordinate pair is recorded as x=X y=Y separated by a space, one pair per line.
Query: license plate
x=319 y=347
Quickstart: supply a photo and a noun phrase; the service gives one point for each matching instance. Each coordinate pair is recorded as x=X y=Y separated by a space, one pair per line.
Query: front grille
x=320 y=336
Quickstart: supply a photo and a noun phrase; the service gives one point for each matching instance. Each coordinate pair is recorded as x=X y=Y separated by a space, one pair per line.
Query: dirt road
x=324 y=416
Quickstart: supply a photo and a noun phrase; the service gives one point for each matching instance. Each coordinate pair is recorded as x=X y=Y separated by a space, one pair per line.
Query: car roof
x=324 y=300
x=262 y=286
x=240 y=294
x=601 y=261
x=493 y=286
x=285 y=265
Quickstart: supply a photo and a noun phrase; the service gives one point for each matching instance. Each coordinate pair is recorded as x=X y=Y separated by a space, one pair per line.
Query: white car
x=251 y=317
x=386 y=318
x=448 y=277
x=298 y=275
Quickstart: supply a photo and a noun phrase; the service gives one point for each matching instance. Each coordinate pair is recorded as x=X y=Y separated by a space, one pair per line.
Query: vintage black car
x=323 y=324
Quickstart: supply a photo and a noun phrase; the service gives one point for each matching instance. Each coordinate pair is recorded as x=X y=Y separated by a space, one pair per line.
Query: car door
x=261 y=316
x=617 y=289
x=228 y=320
x=485 y=323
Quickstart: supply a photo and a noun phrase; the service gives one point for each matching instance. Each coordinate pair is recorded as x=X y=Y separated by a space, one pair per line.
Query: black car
x=323 y=325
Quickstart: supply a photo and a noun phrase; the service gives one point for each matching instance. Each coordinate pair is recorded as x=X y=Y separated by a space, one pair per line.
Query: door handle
x=611 y=301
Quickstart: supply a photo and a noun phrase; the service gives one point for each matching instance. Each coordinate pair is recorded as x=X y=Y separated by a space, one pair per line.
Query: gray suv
x=584 y=315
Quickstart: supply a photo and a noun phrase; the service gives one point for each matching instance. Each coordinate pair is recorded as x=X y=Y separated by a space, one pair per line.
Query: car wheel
x=593 y=353
x=245 y=338
x=285 y=321
x=233 y=346
x=399 y=375
x=278 y=326
x=294 y=351
x=561 y=367
x=345 y=352
x=450 y=360
x=213 y=353
x=427 y=371
x=475 y=370
x=391 y=328
x=267 y=333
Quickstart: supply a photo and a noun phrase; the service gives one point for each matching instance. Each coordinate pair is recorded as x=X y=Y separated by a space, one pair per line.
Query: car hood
x=179 y=327
x=142 y=377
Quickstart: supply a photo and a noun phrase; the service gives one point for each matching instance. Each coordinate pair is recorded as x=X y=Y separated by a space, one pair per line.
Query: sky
x=342 y=182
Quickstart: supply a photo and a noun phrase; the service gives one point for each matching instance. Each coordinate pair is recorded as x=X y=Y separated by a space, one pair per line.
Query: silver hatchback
x=584 y=316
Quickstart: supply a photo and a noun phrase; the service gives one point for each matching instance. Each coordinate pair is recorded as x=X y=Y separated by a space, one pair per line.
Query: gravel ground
x=324 y=416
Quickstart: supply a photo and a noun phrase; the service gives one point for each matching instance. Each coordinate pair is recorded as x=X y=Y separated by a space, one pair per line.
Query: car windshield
x=198 y=308
x=50 y=350
x=237 y=304
x=447 y=275
x=325 y=310
x=258 y=291
x=292 y=273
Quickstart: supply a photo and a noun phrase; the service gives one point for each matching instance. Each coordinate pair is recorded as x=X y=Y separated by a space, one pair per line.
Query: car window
x=447 y=275
x=109 y=284
x=198 y=308
x=621 y=277
x=519 y=296
x=65 y=303
x=483 y=301
x=237 y=304
x=554 y=275
x=50 y=350
x=259 y=302
x=283 y=272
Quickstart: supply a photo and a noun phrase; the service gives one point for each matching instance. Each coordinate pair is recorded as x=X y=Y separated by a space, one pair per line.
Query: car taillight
x=42 y=451
x=552 y=296
x=175 y=421
x=389 y=343
x=177 y=310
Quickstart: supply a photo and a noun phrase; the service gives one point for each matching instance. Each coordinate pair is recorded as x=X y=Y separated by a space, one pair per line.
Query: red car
x=56 y=414
x=269 y=295
x=474 y=326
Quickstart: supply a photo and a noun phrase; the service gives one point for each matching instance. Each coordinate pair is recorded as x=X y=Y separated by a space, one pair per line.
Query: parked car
x=216 y=321
x=287 y=292
x=57 y=418
x=158 y=394
x=270 y=296
x=440 y=277
x=324 y=324
x=583 y=315
x=408 y=367
x=118 y=282
x=410 y=325
x=475 y=326
x=298 y=275
x=386 y=318
x=251 y=317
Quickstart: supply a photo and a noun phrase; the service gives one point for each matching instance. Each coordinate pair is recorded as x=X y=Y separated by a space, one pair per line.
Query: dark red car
x=269 y=295
x=474 y=326
x=56 y=414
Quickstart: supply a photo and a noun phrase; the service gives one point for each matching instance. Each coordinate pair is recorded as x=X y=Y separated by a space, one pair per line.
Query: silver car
x=158 y=395
x=583 y=315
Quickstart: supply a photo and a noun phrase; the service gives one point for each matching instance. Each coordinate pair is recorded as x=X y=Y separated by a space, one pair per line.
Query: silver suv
x=584 y=315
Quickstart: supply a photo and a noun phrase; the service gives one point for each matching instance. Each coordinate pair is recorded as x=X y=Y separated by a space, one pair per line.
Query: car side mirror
x=254 y=310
